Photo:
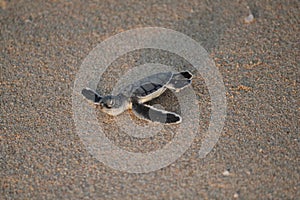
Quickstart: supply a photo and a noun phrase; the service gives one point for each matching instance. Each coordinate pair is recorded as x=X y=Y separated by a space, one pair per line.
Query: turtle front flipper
x=91 y=95
x=150 y=113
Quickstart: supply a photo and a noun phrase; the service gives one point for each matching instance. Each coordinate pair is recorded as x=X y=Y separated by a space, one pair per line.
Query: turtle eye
x=101 y=103
x=110 y=103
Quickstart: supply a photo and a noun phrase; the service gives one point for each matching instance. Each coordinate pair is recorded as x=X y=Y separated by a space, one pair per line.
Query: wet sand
x=43 y=46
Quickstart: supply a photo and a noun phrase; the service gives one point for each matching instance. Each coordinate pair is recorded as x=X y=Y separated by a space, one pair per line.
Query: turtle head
x=107 y=102
x=112 y=105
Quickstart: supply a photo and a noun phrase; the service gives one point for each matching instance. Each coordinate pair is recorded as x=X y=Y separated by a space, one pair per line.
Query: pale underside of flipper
x=153 y=114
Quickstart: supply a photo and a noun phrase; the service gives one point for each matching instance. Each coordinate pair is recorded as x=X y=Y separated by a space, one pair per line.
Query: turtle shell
x=148 y=88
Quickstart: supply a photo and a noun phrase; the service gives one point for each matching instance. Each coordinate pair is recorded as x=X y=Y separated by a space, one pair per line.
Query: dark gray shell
x=149 y=87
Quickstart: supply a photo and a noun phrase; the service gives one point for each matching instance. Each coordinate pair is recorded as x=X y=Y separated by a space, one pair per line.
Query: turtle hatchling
x=136 y=94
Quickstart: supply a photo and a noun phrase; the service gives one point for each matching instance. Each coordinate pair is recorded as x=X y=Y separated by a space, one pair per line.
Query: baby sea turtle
x=135 y=95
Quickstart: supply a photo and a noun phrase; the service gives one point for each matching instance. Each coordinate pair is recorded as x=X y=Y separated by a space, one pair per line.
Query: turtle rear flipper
x=183 y=75
x=91 y=95
x=150 y=113
x=180 y=80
